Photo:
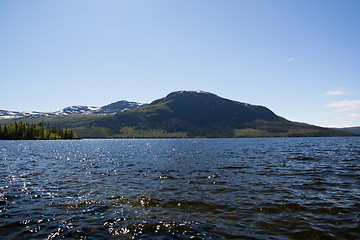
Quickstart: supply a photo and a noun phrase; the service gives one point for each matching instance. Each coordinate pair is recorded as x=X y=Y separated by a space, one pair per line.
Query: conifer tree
x=5 y=132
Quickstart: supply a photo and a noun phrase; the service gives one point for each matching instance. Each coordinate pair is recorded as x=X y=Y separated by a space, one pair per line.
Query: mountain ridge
x=203 y=106
x=184 y=114
x=203 y=114
x=352 y=130
x=111 y=108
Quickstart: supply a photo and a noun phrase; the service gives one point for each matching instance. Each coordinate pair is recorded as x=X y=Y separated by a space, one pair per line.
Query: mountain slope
x=202 y=108
x=202 y=114
x=188 y=114
x=352 y=130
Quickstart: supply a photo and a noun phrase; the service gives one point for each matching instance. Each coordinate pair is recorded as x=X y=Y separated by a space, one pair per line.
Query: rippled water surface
x=276 y=188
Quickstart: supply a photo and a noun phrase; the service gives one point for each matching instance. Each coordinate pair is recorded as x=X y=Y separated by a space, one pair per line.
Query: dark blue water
x=275 y=188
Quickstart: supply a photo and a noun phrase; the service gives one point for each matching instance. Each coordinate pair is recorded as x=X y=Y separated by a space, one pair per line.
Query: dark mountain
x=202 y=114
x=186 y=114
x=202 y=108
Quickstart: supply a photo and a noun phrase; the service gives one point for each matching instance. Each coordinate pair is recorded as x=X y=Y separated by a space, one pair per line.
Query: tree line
x=24 y=131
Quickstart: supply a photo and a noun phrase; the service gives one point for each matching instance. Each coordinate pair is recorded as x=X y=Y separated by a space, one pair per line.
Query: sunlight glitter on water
x=298 y=188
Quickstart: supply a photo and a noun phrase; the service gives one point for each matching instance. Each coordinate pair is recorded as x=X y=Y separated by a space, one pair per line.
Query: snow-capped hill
x=4 y=114
x=119 y=106
x=112 y=108
x=83 y=110
x=7 y=114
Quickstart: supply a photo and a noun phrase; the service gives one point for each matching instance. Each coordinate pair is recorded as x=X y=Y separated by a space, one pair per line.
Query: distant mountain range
x=75 y=110
x=181 y=114
x=352 y=130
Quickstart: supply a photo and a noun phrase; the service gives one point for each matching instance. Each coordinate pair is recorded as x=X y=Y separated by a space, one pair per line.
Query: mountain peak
x=189 y=92
x=200 y=107
x=183 y=94
x=120 y=106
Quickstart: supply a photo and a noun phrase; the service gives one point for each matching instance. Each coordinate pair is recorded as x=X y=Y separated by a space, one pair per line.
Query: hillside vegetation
x=188 y=115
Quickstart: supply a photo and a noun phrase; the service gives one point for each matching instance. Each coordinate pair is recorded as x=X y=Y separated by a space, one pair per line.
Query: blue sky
x=301 y=59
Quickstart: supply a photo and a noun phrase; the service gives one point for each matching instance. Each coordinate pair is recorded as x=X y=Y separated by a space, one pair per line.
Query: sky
x=301 y=59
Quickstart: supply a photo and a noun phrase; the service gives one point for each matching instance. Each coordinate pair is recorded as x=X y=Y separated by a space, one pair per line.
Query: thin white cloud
x=353 y=116
x=345 y=105
x=335 y=93
x=290 y=59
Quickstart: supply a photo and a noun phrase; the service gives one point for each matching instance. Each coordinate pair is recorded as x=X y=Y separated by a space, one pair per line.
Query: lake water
x=272 y=188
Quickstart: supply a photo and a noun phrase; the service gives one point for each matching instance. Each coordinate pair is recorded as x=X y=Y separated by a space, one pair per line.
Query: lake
x=260 y=188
